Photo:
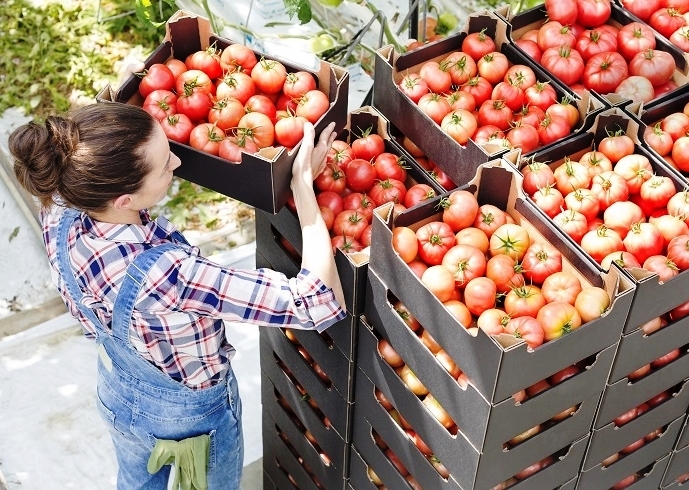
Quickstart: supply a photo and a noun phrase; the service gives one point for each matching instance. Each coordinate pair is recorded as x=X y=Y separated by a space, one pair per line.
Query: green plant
x=58 y=55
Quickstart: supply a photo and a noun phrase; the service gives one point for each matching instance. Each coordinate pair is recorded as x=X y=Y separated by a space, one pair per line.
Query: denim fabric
x=140 y=404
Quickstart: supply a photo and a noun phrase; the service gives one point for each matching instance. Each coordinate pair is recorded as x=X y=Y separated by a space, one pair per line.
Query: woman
x=154 y=306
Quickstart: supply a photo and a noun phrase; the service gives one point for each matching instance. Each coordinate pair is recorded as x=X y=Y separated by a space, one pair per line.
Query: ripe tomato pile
x=669 y=138
x=613 y=204
x=358 y=177
x=225 y=102
x=477 y=93
x=669 y=17
x=579 y=48
x=491 y=274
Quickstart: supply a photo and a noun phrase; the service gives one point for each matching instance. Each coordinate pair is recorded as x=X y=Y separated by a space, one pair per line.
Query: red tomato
x=530 y=47
x=459 y=125
x=564 y=109
x=177 y=127
x=194 y=80
x=368 y=145
x=478 y=44
x=679 y=155
x=529 y=114
x=678 y=251
x=670 y=226
x=595 y=41
x=158 y=76
x=604 y=72
x=236 y=56
x=657 y=190
x=563 y=11
x=332 y=200
x=312 y=105
x=195 y=104
x=506 y=273
x=479 y=294
x=434 y=106
x=655 y=65
x=524 y=300
x=510 y=239
x=641 y=8
x=549 y=199
x=177 y=67
x=258 y=127
x=564 y=63
x=404 y=242
x=479 y=88
x=609 y=187
x=345 y=243
x=553 y=34
x=207 y=60
x=238 y=85
x=332 y=178
x=413 y=86
x=633 y=38
x=298 y=83
x=527 y=328
x=226 y=113
x=591 y=303
x=269 y=76
x=658 y=139
x=583 y=201
x=636 y=88
x=361 y=175
x=552 y=128
x=206 y=137
x=573 y=223
x=635 y=168
x=340 y=153
x=593 y=13
x=667 y=20
x=600 y=242
x=465 y=262
x=460 y=66
x=665 y=268
x=536 y=175
x=418 y=193
x=437 y=77
x=261 y=103
x=561 y=286
x=493 y=67
x=489 y=218
x=232 y=147
x=388 y=190
x=459 y=209
x=558 y=319
x=435 y=239
x=621 y=215
x=540 y=261
x=461 y=100
x=439 y=281
x=510 y=93
x=160 y=104
x=289 y=131
x=570 y=176
x=595 y=161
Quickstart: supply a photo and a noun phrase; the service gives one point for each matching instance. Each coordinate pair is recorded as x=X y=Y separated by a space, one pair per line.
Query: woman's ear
x=125 y=201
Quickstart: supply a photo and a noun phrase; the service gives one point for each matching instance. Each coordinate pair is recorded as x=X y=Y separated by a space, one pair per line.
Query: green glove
x=189 y=457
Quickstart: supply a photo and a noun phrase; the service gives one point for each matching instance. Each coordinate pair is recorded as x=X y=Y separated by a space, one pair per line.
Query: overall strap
x=135 y=278
x=65 y=269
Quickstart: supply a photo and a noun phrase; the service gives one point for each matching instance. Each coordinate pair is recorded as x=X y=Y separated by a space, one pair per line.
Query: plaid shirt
x=175 y=317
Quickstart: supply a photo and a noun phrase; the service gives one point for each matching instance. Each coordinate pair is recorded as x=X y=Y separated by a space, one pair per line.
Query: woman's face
x=161 y=162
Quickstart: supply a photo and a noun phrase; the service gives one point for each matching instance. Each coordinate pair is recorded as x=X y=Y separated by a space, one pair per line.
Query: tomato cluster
x=225 y=102
x=358 y=177
x=491 y=274
x=613 y=204
x=582 y=50
x=407 y=376
x=670 y=138
x=669 y=17
x=477 y=93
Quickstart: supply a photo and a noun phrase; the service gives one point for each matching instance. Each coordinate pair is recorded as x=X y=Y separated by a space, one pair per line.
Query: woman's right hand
x=310 y=159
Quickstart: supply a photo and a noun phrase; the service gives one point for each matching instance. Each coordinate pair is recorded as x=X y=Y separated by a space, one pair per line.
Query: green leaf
x=300 y=8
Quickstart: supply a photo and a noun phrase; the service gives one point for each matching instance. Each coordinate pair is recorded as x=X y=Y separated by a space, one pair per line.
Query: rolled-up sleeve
x=318 y=299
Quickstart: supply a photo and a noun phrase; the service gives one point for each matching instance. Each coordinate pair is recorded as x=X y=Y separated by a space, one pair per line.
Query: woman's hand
x=310 y=159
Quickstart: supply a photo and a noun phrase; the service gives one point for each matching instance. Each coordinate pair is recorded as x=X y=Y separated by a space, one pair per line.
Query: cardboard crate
x=340 y=335
x=637 y=349
x=651 y=298
x=351 y=267
x=498 y=368
x=649 y=462
x=327 y=457
x=332 y=362
x=683 y=439
x=282 y=460
x=302 y=387
x=535 y=17
x=484 y=424
x=676 y=468
x=459 y=162
x=608 y=439
x=621 y=396
x=468 y=467
x=261 y=180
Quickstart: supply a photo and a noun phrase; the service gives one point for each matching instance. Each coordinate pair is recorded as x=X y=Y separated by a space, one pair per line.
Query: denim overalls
x=140 y=403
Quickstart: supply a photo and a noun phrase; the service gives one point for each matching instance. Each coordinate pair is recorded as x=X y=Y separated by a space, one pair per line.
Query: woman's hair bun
x=63 y=136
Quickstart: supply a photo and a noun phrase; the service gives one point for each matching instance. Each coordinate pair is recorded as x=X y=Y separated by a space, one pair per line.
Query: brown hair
x=88 y=158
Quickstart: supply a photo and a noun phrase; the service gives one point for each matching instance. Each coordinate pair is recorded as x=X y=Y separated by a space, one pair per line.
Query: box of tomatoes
x=603 y=49
x=342 y=191
x=619 y=207
x=498 y=364
x=255 y=167
x=460 y=109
